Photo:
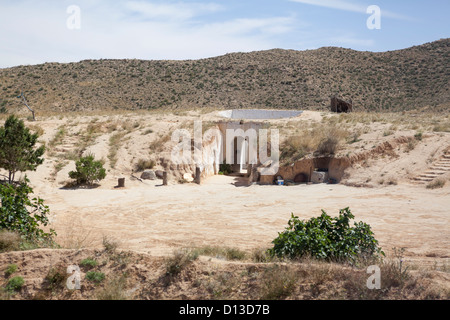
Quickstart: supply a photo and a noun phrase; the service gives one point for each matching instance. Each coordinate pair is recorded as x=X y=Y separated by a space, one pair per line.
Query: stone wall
x=304 y=169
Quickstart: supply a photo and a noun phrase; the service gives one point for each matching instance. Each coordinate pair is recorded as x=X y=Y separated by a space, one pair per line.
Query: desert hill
x=287 y=79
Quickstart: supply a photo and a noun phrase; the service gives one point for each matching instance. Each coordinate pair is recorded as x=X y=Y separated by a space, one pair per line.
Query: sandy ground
x=148 y=217
x=155 y=219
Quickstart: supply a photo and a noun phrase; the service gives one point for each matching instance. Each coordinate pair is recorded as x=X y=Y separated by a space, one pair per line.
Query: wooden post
x=198 y=174
x=249 y=170
x=165 y=179
x=121 y=182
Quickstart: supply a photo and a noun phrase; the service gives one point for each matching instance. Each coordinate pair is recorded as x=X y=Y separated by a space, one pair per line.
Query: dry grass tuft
x=436 y=183
x=144 y=164
x=110 y=244
x=115 y=142
x=178 y=261
x=158 y=144
x=9 y=241
x=277 y=282
x=315 y=140
x=114 y=289
x=75 y=235
x=222 y=253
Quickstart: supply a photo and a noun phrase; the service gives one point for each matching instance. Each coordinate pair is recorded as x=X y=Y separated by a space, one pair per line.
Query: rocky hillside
x=394 y=81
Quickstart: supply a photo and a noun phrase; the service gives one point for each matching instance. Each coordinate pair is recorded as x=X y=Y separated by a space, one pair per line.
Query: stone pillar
x=165 y=179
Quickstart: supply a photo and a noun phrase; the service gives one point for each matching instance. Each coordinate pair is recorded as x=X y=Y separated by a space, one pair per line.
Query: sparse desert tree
x=88 y=170
x=17 y=148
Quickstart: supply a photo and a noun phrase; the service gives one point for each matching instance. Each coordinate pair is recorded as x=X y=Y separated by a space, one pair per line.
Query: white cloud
x=334 y=4
x=350 y=6
x=171 y=11
x=239 y=27
x=37 y=33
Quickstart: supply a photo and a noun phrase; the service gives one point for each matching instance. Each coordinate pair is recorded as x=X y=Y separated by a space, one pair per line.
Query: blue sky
x=33 y=32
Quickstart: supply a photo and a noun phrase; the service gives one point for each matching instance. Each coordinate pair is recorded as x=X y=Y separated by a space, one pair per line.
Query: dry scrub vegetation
x=346 y=134
x=383 y=81
x=207 y=273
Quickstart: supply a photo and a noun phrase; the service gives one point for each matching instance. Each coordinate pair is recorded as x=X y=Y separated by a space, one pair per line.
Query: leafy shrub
x=15 y=284
x=225 y=168
x=10 y=269
x=89 y=262
x=326 y=238
x=418 y=136
x=88 y=170
x=20 y=214
x=95 y=276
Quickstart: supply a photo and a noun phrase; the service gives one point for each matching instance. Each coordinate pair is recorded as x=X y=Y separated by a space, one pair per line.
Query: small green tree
x=17 y=152
x=19 y=213
x=88 y=170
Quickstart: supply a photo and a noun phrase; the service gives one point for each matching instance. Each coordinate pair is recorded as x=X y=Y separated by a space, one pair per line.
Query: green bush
x=225 y=169
x=418 y=136
x=89 y=262
x=95 y=276
x=88 y=170
x=326 y=238
x=10 y=269
x=15 y=284
x=19 y=213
